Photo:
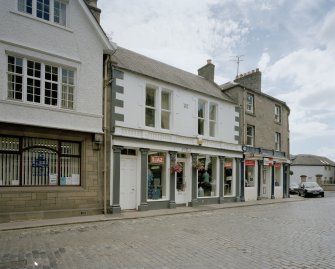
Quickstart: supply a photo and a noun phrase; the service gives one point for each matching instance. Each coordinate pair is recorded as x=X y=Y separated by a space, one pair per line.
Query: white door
x=181 y=185
x=128 y=179
x=265 y=191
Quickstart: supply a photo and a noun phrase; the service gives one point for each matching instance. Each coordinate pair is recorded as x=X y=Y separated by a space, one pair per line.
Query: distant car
x=310 y=189
x=294 y=188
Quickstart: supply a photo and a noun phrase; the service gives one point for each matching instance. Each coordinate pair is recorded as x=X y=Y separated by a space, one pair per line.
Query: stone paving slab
x=17 y=225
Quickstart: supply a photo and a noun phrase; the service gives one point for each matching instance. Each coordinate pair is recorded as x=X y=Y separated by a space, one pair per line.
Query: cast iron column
x=116 y=209
x=221 y=184
x=194 y=180
x=144 y=180
x=172 y=203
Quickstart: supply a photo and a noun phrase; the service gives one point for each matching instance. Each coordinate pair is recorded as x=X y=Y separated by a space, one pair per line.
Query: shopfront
x=43 y=169
x=168 y=176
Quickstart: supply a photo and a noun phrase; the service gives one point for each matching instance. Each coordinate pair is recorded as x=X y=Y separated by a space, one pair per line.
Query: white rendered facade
x=175 y=141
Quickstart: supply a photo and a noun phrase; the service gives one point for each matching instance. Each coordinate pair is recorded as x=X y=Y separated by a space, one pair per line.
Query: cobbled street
x=284 y=235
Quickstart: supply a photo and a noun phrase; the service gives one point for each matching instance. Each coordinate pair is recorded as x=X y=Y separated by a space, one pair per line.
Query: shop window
x=38 y=162
x=277 y=174
x=156 y=176
x=228 y=176
x=207 y=172
x=249 y=173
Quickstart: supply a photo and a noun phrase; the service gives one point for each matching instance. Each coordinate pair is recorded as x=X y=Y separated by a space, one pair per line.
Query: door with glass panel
x=181 y=186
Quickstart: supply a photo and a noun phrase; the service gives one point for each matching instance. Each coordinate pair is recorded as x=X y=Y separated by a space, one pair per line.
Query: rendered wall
x=76 y=46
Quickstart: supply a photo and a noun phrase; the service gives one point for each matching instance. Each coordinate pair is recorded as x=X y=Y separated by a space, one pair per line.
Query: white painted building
x=306 y=167
x=51 y=107
x=164 y=117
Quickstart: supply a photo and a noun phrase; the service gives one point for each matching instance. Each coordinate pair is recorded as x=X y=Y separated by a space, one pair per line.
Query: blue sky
x=291 y=41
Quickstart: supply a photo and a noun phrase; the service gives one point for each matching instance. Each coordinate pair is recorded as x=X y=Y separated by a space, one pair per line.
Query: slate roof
x=140 y=64
x=313 y=160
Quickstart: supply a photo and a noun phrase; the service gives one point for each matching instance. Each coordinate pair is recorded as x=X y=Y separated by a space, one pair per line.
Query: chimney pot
x=209 y=61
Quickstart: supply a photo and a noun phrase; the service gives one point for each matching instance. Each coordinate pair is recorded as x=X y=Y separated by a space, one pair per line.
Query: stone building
x=264 y=135
x=51 y=109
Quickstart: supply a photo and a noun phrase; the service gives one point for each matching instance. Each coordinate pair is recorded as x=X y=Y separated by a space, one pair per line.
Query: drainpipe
x=105 y=129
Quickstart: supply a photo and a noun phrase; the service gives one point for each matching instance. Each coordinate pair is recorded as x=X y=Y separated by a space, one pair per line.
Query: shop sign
x=249 y=162
x=157 y=159
x=277 y=165
x=268 y=161
x=40 y=165
x=228 y=164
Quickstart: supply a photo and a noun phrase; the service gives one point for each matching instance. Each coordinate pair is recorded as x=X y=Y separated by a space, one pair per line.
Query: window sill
x=250 y=113
x=26 y=15
x=40 y=188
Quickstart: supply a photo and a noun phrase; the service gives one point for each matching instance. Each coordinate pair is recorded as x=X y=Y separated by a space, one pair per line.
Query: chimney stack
x=92 y=5
x=207 y=71
x=251 y=80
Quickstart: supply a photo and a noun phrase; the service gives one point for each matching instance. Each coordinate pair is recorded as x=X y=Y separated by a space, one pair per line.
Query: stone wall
x=23 y=202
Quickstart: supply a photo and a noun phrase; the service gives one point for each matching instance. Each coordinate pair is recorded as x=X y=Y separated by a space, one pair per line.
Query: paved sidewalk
x=17 y=225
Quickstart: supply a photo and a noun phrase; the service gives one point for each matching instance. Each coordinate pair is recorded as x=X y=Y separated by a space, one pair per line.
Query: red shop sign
x=156 y=159
x=249 y=162
x=277 y=165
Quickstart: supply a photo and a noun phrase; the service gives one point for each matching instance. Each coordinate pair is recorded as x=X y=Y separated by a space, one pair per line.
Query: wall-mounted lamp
x=97 y=141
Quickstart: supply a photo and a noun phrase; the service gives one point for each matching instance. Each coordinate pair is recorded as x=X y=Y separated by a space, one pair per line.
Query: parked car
x=294 y=188
x=310 y=189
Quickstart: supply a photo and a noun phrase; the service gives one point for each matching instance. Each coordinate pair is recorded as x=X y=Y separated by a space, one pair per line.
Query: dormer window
x=48 y=10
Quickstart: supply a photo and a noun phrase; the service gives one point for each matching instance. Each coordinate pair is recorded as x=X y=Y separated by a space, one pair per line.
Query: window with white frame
x=165 y=110
x=49 y=10
x=36 y=82
x=277 y=141
x=250 y=103
x=212 y=119
x=201 y=117
x=150 y=106
x=158 y=107
x=277 y=113
x=250 y=135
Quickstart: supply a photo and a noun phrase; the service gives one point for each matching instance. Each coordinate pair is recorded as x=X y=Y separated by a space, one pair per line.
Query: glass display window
x=277 y=174
x=156 y=175
x=228 y=176
x=249 y=179
x=207 y=173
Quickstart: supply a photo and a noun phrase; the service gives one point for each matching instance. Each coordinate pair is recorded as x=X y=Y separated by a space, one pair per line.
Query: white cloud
x=264 y=61
x=298 y=35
